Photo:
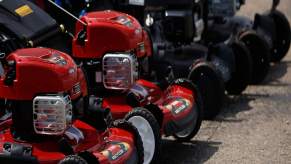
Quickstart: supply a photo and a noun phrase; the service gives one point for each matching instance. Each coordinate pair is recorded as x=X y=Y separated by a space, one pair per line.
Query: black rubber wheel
x=260 y=54
x=199 y=118
x=283 y=34
x=122 y=124
x=155 y=127
x=242 y=75
x=73 y=159
x=211 y=87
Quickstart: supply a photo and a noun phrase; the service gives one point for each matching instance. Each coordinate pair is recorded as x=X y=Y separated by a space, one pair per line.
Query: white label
x=137 y=2
x=98 y=77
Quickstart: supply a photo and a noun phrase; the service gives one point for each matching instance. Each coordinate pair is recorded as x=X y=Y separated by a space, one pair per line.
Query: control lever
x=81 y=37
x=170 y=75
x=11 y=73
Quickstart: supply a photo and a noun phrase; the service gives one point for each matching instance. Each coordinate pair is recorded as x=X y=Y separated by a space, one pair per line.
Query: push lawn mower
x=268 y=37
x=112 y=64
x=51 y=119
x=115 y=60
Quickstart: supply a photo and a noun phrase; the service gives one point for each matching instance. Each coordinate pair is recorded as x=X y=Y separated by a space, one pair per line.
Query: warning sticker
x=24 y=10
x=178 y=106
x=116 y=150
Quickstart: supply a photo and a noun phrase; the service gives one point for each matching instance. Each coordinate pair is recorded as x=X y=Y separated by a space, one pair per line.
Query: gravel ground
x=252 y=128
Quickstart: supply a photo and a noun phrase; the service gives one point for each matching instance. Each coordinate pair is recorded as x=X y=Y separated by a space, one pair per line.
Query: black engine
x=177 y=19
x=173 y=27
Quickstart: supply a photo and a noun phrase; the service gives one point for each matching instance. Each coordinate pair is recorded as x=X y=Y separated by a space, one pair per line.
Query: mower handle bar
x=67 y=12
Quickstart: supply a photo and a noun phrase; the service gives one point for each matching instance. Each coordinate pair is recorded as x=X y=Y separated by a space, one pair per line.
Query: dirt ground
x=252 y=128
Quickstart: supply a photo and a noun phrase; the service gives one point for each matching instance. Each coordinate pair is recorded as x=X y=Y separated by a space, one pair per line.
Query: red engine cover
x=110 y=31
x=41 y=70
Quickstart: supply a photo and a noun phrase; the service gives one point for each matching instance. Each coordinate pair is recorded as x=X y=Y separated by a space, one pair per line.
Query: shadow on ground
x=277 y=71
x=190 y=152
x=235 y=105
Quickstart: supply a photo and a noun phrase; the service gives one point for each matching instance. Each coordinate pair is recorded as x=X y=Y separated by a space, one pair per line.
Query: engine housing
x=108 y=31
x=40 y=70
